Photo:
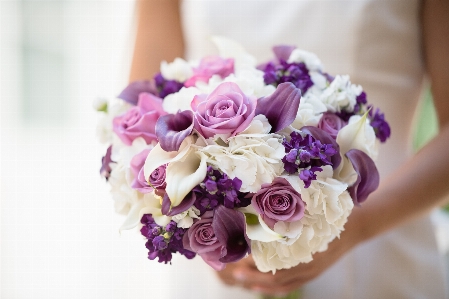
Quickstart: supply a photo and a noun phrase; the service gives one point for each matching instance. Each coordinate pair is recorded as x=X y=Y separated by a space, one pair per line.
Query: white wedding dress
x=377 y=43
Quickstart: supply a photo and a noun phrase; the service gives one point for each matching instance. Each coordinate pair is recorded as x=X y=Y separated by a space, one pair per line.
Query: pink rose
x=209 y=66
x=226 y=111
x=156 y=179
x=201 y=238
x=331 y=123
x=139 y=121
x=278 y=201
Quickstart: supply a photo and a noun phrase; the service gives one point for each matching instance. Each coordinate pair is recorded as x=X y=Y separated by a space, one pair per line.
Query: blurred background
x=59 y=232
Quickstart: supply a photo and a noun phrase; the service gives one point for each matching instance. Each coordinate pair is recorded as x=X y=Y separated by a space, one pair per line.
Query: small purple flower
x=165 y=87
x=217 y=189
x=163 y=241
x=278 y=201
x=305 y=151
x=296 y=73
x=380 y=126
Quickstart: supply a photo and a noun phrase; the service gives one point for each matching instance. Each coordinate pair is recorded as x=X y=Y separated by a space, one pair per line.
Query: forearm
x=159 y=37
x=421 y=184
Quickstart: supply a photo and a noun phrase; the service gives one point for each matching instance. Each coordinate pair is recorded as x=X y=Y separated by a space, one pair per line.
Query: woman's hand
x=245 y=274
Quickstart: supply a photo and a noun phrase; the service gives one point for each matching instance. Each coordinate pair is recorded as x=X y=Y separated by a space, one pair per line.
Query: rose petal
x=368 y=176
x=172 y=129
x=131 y=93
x=281 y=107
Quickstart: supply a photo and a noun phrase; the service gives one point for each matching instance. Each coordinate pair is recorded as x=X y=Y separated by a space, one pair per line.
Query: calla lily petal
x=185 y=204
x=133 y=219
x=358 y=135
x=368 y=176
x=172 y=129
x=131 y=93
x=283 y=52
x=182 y=176
x=158 y=156
x=229 y=228
x=261 y=232
x=280 y=107
x=325 y=138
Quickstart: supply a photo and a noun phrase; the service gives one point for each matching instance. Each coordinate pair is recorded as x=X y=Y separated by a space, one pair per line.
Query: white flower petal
x=182 y=176
x=261 y=232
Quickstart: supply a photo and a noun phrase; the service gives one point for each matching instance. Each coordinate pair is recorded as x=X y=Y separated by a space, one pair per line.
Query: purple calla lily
x=283 y=52
x=281 y=107
x=325 y=138
x=131 y=93
x=368 y=176
x=172 y=129
x=185 y=204
x=229 y=227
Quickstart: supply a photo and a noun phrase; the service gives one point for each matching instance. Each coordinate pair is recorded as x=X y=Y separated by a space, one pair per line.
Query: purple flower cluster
x=217 y=189
x=166 y=87
x=358 y=108
x=296 y=73
x=163 y=241
x=380 y=126
x=305 y=154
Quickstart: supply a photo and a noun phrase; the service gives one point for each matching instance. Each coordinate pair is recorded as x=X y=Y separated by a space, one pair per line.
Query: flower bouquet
x=224 y=157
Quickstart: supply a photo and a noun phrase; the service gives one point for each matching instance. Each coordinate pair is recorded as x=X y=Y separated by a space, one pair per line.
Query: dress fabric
x=378 y=44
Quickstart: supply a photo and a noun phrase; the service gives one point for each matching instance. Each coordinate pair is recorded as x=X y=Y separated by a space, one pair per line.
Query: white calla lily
x=158 y=156
x=183 y=175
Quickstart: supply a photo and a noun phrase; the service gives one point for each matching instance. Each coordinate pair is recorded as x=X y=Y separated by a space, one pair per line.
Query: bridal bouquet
x=223 y=157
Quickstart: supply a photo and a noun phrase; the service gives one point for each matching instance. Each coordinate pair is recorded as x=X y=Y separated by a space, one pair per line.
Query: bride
x=388 y=249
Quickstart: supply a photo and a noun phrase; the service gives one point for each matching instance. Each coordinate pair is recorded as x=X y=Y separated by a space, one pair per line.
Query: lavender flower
x=305 y=154
x=296 y=73
x=217 y=189
x=166 y=87
x=163 y=241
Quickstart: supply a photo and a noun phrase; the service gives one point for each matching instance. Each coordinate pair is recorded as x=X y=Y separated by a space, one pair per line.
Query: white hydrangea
x=121 y=176
x=312 y=62
x=328 y=206
x=310 y=111
x=179 y=70
x=254 y=158
x=115 y=107
x=185 y=219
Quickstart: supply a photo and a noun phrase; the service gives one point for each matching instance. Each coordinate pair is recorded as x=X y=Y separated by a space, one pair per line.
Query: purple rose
x=201 y=238
x=227 y=111
x=209 y=66
x=278 y=201
x=157 y=177
x=139 y=121
x=331 y=123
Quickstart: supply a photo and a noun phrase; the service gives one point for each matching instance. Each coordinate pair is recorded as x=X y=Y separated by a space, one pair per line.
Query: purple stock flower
x=304 y=152
x=380 y=126
x=296 y=73
x=163 y=241
x=217 y=189
x=166 y=87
